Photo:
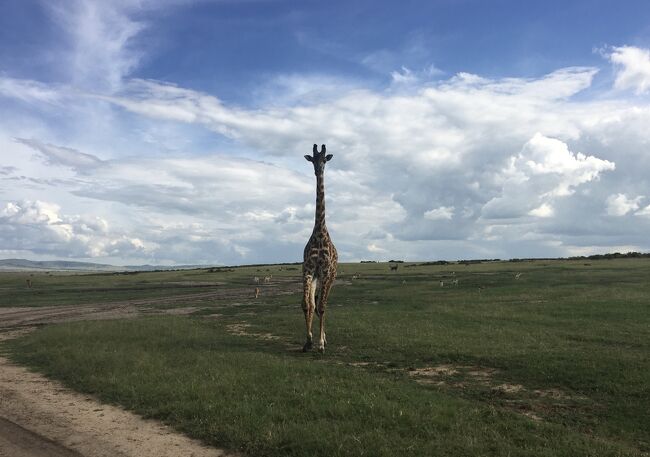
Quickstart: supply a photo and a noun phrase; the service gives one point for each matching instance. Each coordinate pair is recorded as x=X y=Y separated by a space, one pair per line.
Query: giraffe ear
x=308 y=157
x=328 y=157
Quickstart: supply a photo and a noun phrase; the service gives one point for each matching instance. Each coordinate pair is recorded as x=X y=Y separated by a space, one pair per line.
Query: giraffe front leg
x=308 y=306
x=322 y=305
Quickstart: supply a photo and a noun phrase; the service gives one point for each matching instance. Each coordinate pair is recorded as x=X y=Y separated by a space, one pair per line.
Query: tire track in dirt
x=41 y=417
x=11 y=317
x=16 y=441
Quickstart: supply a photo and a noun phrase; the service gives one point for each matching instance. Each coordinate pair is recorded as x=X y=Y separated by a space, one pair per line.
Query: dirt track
x=40 y=417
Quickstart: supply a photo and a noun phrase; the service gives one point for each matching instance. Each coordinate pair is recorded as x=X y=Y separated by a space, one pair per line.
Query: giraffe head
x=318 y=159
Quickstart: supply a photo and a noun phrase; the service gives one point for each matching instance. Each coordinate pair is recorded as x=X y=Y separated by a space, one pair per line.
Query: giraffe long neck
x=320 y=202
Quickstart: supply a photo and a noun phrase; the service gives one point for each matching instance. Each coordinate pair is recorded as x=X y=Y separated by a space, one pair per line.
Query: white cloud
x=403 y=76
x=441 y=213
x=40 y=227
x=29 y=91
x=99 y=54
x=452 y=168
x=57 y=155
x=632 y=68
x=542 y=172
x=31 y=212
x=544 y=210
x=549 y=156
x=620 y=204
x=372 y=247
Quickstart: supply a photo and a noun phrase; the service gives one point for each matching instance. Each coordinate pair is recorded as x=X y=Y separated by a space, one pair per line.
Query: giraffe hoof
x=321 y=349
x=307 y=346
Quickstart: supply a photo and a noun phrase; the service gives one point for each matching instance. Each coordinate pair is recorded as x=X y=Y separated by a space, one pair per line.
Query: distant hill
x=68 y=265
x=22 y=264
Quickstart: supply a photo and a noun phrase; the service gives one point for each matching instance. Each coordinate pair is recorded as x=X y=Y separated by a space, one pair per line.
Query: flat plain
x=532 y=358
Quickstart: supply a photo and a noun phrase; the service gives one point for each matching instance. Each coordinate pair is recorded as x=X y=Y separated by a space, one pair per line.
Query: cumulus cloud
x=621 y=204
x=644 y=212
x=543 y=171
x=549 y=156
x=632 y=68
x=544 y=210
x=467 y=166
x=39 y=227
x=444 y=212
x=372 y=247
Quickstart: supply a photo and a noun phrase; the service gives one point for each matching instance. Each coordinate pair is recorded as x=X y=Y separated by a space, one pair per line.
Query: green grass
x=78 y=288
x=573 y=338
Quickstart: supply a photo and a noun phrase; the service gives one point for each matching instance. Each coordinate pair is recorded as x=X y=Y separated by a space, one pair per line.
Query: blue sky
x=173 y=131
x=230 y=47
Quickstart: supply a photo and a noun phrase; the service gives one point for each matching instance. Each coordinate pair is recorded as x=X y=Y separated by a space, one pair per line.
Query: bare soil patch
x=536 y=404
x=242 y=329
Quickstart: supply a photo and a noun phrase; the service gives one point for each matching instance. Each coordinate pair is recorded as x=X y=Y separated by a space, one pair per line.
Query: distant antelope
x=257 y=292
x=267 y=279
x=393 y=267
x=256 y=280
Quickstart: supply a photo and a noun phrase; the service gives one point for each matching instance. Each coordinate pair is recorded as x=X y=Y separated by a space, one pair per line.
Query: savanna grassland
x=555 y=363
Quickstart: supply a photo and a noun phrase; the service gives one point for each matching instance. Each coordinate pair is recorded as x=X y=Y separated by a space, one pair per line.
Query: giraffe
x=320 y=257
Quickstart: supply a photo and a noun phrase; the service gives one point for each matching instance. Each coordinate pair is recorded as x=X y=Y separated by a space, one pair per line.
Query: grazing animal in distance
x=393 y=267
x=257 y=292
x=256 y=280
x=267 y=279
x=319 y=258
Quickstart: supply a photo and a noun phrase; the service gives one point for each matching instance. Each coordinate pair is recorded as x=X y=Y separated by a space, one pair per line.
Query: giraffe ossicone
x=320 y=257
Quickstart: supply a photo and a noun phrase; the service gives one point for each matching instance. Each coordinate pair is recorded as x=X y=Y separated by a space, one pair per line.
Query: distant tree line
x=614 y=255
